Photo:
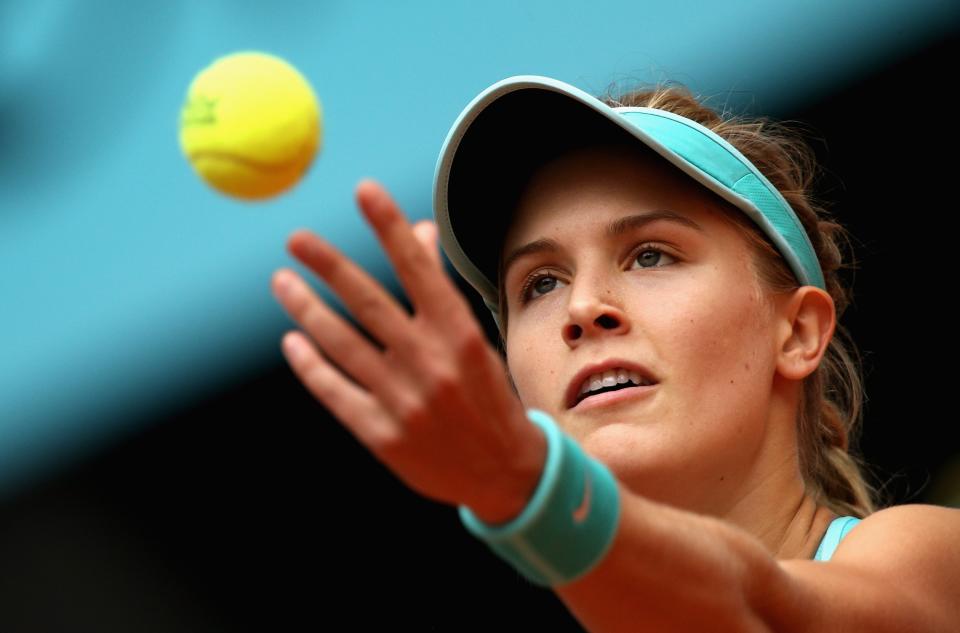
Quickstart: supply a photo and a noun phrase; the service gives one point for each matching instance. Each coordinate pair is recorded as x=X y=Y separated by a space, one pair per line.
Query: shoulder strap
x=835 y=533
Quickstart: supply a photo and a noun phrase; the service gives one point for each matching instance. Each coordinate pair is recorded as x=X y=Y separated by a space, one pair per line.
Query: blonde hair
x=830 y=413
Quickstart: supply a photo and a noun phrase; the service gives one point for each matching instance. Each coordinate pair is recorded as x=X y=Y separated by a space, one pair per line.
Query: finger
x=426 y=283
x=341 y=342
x=370 y=304
x=355 y=408
x=426 y=232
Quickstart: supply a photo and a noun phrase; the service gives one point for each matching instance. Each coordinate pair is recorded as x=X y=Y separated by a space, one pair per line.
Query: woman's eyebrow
x=614 y=229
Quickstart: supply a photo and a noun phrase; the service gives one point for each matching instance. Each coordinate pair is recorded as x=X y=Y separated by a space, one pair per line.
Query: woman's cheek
x=524 y=372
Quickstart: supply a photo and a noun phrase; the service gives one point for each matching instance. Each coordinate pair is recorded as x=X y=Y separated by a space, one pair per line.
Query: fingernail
x=283 y=283
x=292 y=349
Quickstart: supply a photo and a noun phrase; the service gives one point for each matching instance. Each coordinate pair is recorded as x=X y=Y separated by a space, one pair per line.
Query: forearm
x=666 y=570
x=670 y=570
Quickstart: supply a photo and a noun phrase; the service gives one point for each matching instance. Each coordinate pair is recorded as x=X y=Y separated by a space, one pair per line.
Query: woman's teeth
x=611 y=378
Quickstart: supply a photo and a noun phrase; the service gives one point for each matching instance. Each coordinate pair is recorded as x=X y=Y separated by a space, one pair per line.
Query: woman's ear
x=807 y=321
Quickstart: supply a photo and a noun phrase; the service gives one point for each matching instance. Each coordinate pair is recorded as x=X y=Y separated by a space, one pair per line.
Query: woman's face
x=678 y=297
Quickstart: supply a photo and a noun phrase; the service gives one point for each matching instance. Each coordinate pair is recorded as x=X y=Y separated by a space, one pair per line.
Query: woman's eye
x=648 y=256
x=657 y=256
x=533 y=283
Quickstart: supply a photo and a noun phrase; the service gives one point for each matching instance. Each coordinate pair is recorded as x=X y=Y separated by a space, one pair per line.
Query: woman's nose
x=592 y=313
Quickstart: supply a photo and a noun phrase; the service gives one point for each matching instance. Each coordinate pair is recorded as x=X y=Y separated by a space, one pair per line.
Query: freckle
x=721 y=477
x=746 y=366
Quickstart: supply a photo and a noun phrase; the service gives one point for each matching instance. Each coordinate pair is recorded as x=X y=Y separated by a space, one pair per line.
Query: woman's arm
x=435 y=407
x=668 y=569
x=672 y=570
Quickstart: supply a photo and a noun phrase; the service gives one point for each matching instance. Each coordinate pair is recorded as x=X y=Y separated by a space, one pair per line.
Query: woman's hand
x=435 y=405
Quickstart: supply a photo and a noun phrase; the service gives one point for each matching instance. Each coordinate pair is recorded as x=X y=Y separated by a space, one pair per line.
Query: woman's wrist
x=508 y=499
x=568 y=525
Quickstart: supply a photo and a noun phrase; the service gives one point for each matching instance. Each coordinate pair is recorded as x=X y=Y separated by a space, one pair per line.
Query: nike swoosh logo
x=581 y=512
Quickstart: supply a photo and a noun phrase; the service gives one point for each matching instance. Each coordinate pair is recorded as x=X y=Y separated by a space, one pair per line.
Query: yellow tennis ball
x=251 y=125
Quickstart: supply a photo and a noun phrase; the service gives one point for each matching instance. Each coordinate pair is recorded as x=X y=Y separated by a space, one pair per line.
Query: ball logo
x=199 y=110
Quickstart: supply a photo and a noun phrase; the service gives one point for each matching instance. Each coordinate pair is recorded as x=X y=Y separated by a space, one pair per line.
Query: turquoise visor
x=516 y=124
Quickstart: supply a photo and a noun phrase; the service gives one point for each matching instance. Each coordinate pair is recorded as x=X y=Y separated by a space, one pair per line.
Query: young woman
x=667 y=444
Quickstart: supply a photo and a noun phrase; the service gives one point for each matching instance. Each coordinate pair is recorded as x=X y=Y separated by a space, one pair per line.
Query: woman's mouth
x=595 y=400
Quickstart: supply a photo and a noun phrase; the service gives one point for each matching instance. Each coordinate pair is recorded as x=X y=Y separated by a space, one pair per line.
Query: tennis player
x=667 y=441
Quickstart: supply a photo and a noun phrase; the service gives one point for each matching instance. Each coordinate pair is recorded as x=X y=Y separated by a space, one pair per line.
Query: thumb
x=426 y=232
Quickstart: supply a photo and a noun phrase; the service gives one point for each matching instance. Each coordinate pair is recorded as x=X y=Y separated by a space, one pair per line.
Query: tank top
x=835 y=533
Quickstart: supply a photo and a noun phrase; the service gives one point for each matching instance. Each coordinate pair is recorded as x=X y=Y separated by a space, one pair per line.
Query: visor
x=516 y=124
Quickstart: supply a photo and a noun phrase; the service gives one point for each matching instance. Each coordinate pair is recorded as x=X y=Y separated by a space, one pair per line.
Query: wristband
x=570 y=522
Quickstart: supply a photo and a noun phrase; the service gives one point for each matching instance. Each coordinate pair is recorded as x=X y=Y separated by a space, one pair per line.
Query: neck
x=779 y=512
x=775 y=506
x=800 y=534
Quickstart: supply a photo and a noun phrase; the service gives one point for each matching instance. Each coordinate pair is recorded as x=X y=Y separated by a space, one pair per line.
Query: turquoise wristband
x=570 y=522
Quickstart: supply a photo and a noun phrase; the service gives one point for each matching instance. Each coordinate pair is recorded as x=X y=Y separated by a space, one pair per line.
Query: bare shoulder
x=910 y=545
x=896 y=570
x=909 y=530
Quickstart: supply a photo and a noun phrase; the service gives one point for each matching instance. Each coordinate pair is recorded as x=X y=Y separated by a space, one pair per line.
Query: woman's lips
x=610 y=398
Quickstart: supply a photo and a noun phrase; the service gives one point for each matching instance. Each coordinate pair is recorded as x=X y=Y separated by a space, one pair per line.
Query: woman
x=641 y=256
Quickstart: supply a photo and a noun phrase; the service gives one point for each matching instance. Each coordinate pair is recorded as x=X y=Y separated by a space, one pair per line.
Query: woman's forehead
x=601 y=193
x=612 y=229
x=575 y=191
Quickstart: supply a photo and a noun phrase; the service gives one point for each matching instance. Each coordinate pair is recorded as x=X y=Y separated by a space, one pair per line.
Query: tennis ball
x=251 y=125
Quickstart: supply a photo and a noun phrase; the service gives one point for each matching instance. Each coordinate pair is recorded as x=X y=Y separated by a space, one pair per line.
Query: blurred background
x=162 y=469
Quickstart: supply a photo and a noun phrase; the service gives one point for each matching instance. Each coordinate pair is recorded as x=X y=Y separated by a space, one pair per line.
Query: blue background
x=129 y=285
x=160 y=466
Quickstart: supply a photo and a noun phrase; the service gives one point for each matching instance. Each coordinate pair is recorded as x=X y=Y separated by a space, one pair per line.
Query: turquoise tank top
x=835 y=533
